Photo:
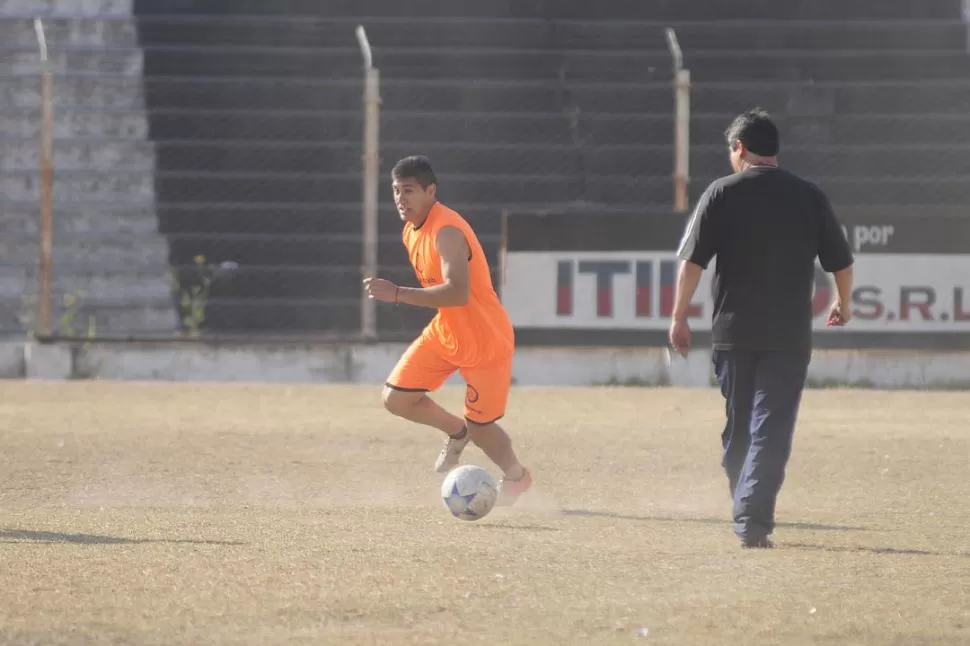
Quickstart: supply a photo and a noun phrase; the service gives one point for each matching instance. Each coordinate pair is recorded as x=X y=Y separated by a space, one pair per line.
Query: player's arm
x=688 y=278
x=453 y=292
x=835 y=256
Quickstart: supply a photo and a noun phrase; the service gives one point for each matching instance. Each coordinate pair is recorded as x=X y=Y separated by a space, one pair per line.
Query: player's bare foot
x=450 y=455
x=509 y=490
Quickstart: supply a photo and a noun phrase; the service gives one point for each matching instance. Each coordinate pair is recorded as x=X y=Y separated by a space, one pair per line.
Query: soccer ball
x=469 y=492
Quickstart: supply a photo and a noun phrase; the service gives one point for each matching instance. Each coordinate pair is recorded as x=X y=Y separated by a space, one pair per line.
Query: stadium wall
x=534 y=366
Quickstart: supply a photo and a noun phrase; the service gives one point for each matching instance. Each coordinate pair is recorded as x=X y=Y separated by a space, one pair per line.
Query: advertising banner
x=635 y=290
x=575 y=278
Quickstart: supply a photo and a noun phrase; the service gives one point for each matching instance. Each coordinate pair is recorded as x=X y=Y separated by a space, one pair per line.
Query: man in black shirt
x=766 y=227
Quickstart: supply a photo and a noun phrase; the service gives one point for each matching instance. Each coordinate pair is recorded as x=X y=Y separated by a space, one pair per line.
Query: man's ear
x=432 y=191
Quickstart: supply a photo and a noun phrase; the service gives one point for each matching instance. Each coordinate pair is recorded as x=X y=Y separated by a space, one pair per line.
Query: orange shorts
x=423 y=368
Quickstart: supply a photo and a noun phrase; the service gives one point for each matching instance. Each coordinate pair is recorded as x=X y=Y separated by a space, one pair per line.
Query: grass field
x=254 y=514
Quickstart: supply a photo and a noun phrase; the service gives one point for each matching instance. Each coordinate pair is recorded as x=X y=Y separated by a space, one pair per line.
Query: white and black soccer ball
x=469 y=492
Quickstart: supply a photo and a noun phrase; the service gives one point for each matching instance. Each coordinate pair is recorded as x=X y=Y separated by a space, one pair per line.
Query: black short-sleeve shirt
x=765 y=226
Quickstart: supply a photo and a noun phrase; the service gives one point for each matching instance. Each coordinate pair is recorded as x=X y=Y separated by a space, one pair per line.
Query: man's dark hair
x=416 y=167
x=756 y=131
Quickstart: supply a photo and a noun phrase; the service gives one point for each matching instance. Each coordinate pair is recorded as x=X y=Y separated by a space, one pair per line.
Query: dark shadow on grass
x=662 y=519
x=31 y=536
x=870 y=550
x=703 y=521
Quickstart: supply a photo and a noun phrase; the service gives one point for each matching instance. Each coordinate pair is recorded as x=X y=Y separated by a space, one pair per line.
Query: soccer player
x=766 y=226
x=470 y=333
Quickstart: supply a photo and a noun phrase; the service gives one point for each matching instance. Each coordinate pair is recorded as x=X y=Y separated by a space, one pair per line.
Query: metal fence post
x=681 y=125
x=371 y=161
x=45 y=259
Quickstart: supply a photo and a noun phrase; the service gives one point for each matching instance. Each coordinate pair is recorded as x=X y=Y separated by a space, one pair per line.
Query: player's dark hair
x=416 y=167
x=756 y=131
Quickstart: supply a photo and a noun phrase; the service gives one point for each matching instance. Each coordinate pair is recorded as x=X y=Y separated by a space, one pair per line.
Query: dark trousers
x=762 y=392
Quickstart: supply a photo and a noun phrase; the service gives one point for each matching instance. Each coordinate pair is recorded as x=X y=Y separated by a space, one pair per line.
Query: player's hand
x=680 y=337
x=379 y=289
x=839 y=315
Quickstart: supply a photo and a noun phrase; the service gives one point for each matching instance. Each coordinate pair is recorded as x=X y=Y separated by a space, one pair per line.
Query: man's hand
x=839 y=315
x=379 y=289
x=688 y=277
x=680 y=336
x=841 y=310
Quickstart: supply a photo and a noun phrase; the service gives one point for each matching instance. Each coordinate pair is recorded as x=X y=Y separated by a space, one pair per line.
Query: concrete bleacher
x=107 y=251
x=255 y=112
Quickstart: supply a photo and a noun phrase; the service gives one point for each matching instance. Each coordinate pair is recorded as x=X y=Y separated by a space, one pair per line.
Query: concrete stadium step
x=275 y=94
x=314 y=282
x=574 y=9
x=438 y=32
x=298 y=31
x=75 y=121
x=928 y=128
x=15 y=315
x=802 y=65
x=80 y=184
x=944 y=97
x=525 y=189
x=94 y=207
x=522 y=64
x=347 y=126
x=137 y=302
x=804 y=99
x=297 y=281
x=146 y=316
x=327 y=158
x=543 y=127
x=55 y=9
x=91 y=281
x=843 y=191
x=397 y=63
x=607 y=129
x=252 y=315
x=868 y=161
x=80 y=153
x=62 y=32
x=80 y=59
x=291 y=250
x=76 y=90
x=767 y=35
x=23 y=219
x=278 y=250
x=346 y=187
x=310 y=218
x=309 y=282
x=922 y=192
x=253 y=218
x=100 y=249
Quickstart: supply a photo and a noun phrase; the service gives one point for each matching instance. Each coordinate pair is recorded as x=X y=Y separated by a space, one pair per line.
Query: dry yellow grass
x=254 y=514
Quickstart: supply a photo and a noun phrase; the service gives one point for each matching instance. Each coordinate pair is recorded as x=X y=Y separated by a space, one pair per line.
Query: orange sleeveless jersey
x=478 y=332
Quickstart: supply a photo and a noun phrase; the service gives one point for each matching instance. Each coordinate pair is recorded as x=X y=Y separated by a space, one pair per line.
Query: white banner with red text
x=631 y=290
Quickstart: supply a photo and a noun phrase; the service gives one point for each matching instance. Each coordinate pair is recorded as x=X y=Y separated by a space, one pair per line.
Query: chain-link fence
x=208 y=171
